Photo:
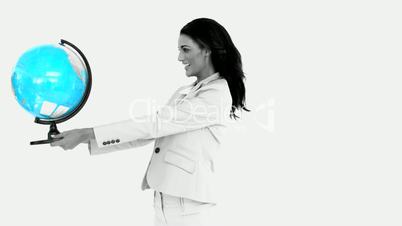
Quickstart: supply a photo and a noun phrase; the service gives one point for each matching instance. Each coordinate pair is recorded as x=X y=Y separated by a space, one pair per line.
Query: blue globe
x=49 y=81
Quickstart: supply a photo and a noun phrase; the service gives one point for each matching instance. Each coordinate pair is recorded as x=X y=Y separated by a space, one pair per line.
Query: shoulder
x=218 y=84
x=217 y=89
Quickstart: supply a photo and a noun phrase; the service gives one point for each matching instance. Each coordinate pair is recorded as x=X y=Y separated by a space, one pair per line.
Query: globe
x=49 y=81
x=52 y=82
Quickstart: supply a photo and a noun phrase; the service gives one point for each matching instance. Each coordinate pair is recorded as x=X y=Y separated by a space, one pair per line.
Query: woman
x=187 y=131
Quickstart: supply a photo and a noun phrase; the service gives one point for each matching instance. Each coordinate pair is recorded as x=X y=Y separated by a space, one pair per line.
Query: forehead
x=185 y=40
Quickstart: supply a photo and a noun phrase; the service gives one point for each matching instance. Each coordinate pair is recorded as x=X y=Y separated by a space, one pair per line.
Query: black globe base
x=52 y=131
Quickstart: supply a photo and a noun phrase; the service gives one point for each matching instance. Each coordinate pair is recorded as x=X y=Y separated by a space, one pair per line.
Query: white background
x=322 y=145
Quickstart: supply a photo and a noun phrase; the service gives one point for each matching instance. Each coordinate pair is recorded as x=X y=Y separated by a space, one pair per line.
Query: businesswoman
x=187 y=132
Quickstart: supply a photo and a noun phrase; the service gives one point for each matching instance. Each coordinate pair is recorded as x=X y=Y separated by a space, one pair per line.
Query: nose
x=180 y=57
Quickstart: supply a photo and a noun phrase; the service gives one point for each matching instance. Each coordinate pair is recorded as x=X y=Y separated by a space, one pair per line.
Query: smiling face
x=196 y=60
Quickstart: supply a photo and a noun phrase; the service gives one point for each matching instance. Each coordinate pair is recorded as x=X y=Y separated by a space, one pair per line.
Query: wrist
x=89 y=134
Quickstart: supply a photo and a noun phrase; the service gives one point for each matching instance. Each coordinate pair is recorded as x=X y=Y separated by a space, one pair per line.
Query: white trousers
x=178 y=211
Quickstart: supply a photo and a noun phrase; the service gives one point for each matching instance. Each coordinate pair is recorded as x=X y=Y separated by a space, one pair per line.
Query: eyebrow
x=184 y=46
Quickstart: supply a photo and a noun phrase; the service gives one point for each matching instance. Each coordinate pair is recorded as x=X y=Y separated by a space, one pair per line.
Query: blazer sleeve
x=210 y=105
x=94 y=149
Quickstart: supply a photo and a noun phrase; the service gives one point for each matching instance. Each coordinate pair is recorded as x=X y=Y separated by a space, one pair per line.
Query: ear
x=207 y=52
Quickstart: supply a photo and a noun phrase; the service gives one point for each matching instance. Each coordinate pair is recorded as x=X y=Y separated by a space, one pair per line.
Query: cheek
x=199 y=62
x=193 y=58
x=196 y=60
x=190 y=59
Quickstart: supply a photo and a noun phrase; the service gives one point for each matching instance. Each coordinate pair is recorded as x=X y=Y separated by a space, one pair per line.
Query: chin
x=189 y=74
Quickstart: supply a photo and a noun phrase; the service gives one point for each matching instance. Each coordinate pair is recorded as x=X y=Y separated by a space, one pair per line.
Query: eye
x=184 y=49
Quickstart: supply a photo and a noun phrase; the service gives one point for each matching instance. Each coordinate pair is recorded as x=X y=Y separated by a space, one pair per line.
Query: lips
x=186 y=66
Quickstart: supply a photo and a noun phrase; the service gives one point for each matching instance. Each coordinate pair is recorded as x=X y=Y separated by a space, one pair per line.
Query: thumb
x=58 y=135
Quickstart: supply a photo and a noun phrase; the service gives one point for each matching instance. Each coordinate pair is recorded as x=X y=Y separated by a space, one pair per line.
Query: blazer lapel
x=186 y=92
x=189 y=91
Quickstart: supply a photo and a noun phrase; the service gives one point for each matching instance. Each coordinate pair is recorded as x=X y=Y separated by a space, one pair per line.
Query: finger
x=60 y=135
x=57 y=143
x=53 y=144
x=70 y=147
x=63 y=134
x=65 y=144
x=74 y=146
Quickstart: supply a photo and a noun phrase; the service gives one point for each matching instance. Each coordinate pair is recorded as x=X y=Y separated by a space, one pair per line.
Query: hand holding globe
x=72 y=138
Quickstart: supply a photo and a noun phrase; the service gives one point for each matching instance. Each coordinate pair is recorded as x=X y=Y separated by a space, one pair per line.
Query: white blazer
x=187 y=131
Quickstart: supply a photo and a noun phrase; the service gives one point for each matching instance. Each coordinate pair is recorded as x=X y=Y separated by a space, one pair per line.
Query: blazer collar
x=195 y=86
x=206 y=80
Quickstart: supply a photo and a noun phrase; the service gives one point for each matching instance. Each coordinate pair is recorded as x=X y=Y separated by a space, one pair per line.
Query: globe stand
x=53 y=128
x=52 y=132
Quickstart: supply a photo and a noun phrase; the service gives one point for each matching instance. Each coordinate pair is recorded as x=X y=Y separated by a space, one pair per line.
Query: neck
x=205 y=74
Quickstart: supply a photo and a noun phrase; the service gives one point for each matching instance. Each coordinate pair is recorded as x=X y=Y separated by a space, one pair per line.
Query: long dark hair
x=226 y=59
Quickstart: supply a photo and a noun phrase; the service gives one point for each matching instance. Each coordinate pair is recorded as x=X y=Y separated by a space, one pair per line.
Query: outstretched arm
x=73 y=138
